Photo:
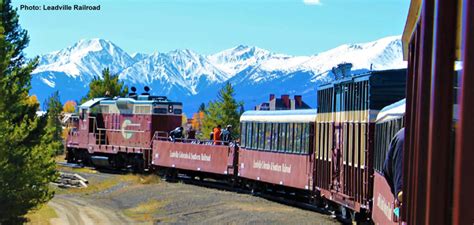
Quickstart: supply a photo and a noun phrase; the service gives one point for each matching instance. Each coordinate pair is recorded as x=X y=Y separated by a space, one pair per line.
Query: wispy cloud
x=312 y=2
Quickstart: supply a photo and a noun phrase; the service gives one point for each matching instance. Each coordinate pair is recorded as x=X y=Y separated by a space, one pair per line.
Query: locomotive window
x=178 y=111
x=268 y=136
x=275 y=135
x=243 y=133
x=159 y=110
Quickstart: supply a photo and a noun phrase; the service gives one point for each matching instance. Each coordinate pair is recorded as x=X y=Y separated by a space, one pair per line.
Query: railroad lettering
x=190 y=156
x=259 y=164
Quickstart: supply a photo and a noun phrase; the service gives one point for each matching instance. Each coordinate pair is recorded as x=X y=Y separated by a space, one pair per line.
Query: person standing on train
x=217 y=135
x=226 y=135
x=176 y=133
x=392 y=167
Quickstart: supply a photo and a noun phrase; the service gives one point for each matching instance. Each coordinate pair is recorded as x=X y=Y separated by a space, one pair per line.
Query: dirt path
x=132 y=199
x=75 y=211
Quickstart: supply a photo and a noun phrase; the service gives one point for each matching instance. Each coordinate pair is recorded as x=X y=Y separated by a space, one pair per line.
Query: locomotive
x=117 y=132
x=327 y=155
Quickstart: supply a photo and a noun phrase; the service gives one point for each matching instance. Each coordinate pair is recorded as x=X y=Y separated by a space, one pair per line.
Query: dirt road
x=76 y=211
x=132 y=199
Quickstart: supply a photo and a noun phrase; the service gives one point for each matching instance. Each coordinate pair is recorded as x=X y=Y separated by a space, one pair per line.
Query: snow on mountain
x=236 y=59
x=179 y=69
x=86 y=59
x=187 y=76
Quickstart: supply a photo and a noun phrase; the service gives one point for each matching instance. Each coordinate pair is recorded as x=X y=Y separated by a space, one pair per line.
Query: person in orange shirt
x=217 y=135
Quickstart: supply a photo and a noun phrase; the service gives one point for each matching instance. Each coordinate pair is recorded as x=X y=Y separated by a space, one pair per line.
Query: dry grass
x=75 y=170
x=42 y=216
x=144 y=211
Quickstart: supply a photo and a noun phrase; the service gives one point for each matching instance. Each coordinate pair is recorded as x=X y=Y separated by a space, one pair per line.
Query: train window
x=254 y=135
x=282 y=137
x=178 y=111
x=290 y=138
x=249 y=134
x=268 y=136
x=243 y=133
x=275 y=138
x=261 y=136
x=159 y=111
x=297 y=144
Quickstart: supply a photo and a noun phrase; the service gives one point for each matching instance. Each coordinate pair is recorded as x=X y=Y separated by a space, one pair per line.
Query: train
x=328 y=156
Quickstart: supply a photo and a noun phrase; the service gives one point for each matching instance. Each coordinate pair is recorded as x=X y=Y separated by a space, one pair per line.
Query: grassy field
x=41 y=216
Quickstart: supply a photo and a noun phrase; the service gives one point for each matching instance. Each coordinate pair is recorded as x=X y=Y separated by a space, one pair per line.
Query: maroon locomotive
x=117 y=132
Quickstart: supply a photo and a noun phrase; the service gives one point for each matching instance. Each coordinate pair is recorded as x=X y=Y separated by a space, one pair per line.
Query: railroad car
x=118 y=131
x=276 y=147
x=345 y=132
x=389 y=121
x=194 y=157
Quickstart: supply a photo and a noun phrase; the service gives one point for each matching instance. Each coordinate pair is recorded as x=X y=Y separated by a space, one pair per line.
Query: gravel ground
x=123 y=199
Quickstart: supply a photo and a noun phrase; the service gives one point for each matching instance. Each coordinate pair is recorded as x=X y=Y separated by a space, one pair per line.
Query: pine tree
x=224 y=111
x=202 y=107
x=108 y=85
x=53 y=124
x=26 y=160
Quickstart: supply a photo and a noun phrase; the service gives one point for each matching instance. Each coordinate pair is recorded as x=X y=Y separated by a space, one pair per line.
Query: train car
x=194 y=156
x=389 y=121
x=344 y=148
x=118 y=131
x=276 y=147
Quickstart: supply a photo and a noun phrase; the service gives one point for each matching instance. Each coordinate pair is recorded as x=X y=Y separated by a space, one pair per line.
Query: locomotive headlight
x=170 y=108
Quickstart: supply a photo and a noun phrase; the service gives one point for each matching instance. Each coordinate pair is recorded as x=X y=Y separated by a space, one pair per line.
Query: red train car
x=118 y=131
x=389 y=121
x=193 y=155
x=277 y=147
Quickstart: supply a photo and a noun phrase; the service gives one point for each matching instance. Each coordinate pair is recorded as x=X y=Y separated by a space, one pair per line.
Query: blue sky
x=296 y=27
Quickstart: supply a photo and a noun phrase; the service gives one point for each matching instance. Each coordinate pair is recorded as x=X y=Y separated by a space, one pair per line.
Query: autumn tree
x=26 y=150
x=223 y=111
x=108 y=85
x=69 y=107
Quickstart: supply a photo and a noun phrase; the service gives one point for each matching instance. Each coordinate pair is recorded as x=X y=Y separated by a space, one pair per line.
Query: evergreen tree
x=53 y=124
x=108 y=85
x=26 y=160
x=202 y=107
x=224 y=111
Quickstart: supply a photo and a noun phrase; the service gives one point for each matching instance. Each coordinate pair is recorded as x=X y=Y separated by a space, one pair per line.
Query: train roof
x=359 y=77
x=297 y=116
x=91 y=102
x=395 y=110
x=140 y=100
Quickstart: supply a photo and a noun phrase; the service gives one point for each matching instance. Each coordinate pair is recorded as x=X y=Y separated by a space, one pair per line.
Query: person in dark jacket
x=226 y=134
x=392 y=167
x=176 y=133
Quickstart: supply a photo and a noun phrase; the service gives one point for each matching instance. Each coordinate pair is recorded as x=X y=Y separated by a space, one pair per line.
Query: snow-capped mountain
x=192 y=78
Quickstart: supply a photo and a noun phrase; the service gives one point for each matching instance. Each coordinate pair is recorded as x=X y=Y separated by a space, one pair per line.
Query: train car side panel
x=217 y=159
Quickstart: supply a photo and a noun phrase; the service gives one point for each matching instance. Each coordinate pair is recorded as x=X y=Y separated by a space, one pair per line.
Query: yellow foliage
x=69 y=107
x=197 y=120
x=32 y=100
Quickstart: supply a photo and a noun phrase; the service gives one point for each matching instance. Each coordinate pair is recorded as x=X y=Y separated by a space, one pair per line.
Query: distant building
x=283 y=103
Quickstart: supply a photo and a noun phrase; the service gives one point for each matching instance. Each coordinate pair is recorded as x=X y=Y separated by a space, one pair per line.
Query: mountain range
x=193 y=78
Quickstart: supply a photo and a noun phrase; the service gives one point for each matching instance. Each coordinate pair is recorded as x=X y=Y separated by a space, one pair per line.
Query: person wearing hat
x=226 y=134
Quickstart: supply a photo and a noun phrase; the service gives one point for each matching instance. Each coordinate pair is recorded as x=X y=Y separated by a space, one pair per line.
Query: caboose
x=117 y=132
